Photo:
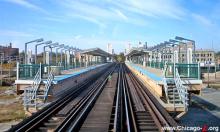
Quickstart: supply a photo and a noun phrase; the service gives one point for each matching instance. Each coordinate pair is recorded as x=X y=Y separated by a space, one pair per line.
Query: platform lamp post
x=26 y=44
x=67 y=48
x=174 y=62
x=174 y=42
x=189 y=40
x=45 y=51
x=2 y=59
x=177 y=41
x=51 y=50
x=47 y=42
x=73 y=50
x=188 y=67
x=59 y=47
x=61 y=56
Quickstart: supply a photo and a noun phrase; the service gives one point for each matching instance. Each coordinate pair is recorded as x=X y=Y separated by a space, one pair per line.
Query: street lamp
x=73 y=50
x=2 y=58
x=47 y=42
x=60 y=46
x=50 y=50
x=193 y=42
x=57 y=47
x=174 y=62
x=37 y=40
x=67 y=49
x=176 y=41
x=61 y=56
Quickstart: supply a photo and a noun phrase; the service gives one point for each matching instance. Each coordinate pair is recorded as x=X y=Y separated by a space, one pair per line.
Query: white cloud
x=27 y=4
x=153 y=8
x=202 y=20
x=120 y=14
x=87 y=18
x=100 y=15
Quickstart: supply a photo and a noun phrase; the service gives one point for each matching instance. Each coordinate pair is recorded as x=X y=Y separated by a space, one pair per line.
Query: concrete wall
x=71 y=82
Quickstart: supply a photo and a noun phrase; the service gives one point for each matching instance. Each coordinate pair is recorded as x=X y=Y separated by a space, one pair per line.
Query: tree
x=120 y=57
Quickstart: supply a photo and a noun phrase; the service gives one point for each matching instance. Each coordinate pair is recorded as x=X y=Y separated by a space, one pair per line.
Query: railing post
x=17 y=76
x=198 y=70
x=40 y=72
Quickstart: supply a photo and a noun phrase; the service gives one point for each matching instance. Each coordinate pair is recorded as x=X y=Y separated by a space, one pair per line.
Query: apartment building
x=205 y=56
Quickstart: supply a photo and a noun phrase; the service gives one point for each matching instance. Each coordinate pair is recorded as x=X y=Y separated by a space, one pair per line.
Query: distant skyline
x=88 y=24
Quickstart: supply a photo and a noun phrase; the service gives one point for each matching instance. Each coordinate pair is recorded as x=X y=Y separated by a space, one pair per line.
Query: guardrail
x=181 y=89
x=165 y=82
x=30 y=93
x=28 y=71
x=185 y=70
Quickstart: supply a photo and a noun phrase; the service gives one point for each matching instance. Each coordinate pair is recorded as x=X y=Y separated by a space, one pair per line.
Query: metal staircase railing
x=48 y=84
x=165 y=83
x=30 y=93
x=181 y=89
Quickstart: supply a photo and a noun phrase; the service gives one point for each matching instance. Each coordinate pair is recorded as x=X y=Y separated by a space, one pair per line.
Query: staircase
x=35 y=96
x=30 y=93
x=173 y=95
x=48 y=83
x=175 y=92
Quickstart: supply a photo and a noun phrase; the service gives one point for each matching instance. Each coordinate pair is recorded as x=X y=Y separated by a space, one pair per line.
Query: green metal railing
x=28 y=71
x=184 y=70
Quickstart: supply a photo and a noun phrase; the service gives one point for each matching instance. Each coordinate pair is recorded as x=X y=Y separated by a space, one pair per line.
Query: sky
x=95 y=23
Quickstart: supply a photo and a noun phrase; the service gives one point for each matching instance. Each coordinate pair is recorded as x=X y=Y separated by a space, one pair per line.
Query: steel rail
x=130 y=117
x=33 y=121
x=117 y=111
x=159 y=114
x=76 y=117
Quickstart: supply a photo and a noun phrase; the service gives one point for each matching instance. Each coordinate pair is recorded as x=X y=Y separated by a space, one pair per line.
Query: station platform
x=153 y=73
x=73 y=72
x=152 y=78
x=61 y=82
x=156 y=75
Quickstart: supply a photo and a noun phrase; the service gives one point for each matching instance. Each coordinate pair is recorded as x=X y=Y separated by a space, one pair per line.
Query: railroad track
x=131 y=108
x=135 y=108
x=50 y=117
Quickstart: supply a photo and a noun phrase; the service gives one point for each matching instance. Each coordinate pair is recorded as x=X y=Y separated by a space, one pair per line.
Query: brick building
x=9 y=51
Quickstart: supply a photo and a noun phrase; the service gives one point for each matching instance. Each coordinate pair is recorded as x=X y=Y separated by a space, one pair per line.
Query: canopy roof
x=137 y=52
x=96 y=52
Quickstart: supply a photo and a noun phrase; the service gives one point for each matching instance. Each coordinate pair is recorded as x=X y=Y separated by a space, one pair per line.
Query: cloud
x=27 y=4
x=120 y=14
x=11 y=33
x=202 y=20
x=153 y=8
x=97 y=13
x=87 y=18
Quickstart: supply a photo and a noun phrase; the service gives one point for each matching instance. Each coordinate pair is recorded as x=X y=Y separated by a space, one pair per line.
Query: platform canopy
x=96 y=52
x=137 y=52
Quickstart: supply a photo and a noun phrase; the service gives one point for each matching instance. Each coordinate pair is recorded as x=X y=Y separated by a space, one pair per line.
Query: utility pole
x=1 y=72
x=1 y=67
x=208 y=73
